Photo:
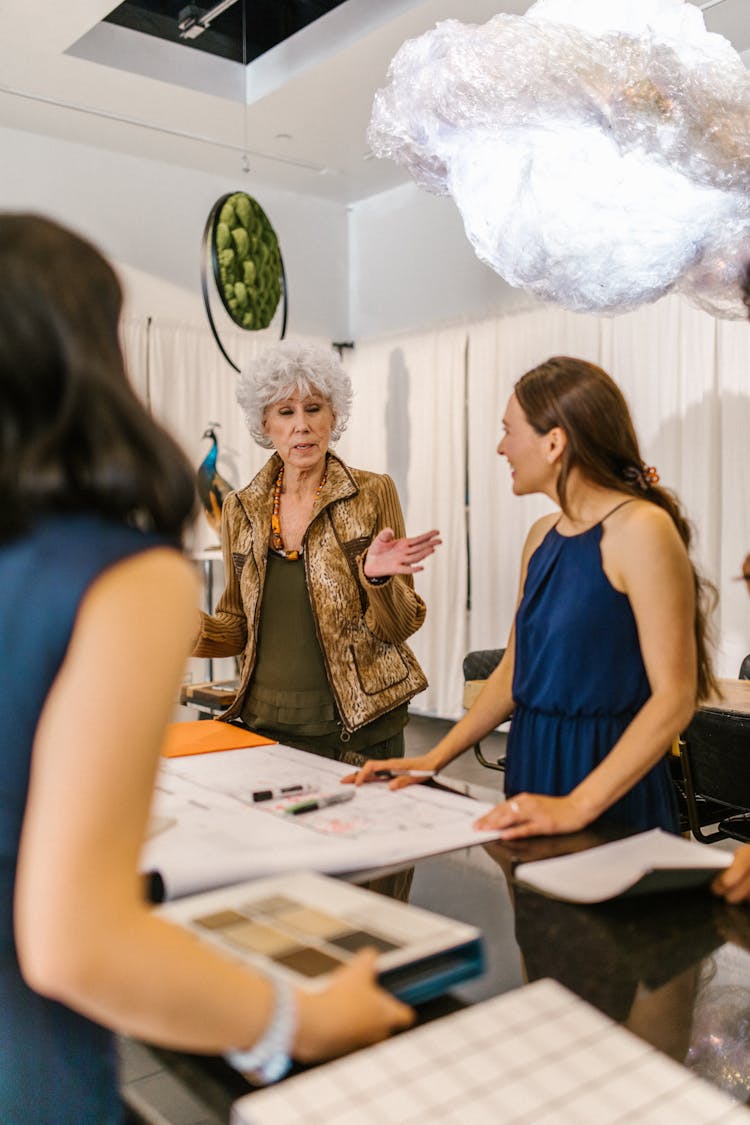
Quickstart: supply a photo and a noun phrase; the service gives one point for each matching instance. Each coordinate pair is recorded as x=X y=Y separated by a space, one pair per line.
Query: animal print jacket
x=362 y=628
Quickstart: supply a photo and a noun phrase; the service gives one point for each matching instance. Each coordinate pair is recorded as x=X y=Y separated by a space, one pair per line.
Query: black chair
x=478 y=666
x=715 y=758
x=745 y=668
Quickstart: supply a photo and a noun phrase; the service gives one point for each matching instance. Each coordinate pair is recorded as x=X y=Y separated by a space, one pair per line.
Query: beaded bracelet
x=270 y=1058
x=377 y=581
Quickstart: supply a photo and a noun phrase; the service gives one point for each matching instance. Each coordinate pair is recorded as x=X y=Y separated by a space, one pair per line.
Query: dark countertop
x=673 y=968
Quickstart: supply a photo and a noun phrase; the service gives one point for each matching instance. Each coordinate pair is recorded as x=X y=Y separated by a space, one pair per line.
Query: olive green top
x=289 y=693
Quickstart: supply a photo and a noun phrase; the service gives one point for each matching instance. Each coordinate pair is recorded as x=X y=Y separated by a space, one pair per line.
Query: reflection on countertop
x=674 y=968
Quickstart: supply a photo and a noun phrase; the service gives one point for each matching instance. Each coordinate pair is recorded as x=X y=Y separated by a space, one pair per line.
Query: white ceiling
x=309 y=99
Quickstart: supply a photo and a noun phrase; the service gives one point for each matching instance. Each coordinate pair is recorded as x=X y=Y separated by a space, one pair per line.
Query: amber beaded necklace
x=277 y=543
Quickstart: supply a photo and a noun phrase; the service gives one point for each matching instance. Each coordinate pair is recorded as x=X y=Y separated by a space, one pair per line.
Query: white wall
x=148 y=217
x=412 y=267
x=396 y=262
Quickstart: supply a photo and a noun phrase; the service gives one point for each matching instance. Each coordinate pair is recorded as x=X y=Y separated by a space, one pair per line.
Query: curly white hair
x=284 y=368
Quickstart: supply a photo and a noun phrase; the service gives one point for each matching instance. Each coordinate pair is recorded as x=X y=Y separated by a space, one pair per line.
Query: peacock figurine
x=212 y=487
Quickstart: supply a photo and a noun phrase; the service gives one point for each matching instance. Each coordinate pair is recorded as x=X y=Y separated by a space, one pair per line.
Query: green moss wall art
x=242 y=253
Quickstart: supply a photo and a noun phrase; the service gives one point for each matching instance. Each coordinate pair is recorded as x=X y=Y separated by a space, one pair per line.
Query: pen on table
x=389 y=775
x=280 y=791
x=320 y=802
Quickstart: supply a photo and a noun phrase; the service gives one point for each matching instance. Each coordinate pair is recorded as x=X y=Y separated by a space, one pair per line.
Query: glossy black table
x=674 y=968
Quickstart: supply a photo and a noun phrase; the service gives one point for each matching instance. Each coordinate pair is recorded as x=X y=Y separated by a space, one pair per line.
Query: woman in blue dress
x=607 y=655
x=97 y=614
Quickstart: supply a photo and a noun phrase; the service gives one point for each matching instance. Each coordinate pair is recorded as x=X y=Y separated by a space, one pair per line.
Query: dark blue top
x=56 y=1066
x=578 y=681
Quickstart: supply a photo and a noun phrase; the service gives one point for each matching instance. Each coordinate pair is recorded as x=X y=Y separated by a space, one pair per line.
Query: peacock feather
x=212 y=486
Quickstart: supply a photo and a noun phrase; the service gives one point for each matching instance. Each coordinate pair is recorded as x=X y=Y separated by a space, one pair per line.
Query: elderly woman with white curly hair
x=320 y=599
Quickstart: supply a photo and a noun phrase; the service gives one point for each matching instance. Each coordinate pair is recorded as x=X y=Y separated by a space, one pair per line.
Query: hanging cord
x=245 y=162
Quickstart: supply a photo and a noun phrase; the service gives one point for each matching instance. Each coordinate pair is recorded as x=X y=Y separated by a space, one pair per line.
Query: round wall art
x=241 y=253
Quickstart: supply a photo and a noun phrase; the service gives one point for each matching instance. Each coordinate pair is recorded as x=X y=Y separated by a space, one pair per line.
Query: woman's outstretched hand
x=423 y=768
x=387 y=556
x=529 y=814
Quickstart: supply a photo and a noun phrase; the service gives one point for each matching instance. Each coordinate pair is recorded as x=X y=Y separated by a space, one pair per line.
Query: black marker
x=282 y=791
x=321 y=802
x=389 y=775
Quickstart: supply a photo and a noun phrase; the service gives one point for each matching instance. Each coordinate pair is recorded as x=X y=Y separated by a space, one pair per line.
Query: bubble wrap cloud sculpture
x=599 y=152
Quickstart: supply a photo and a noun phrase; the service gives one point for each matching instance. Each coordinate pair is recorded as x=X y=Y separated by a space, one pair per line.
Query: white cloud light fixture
x=599 y=153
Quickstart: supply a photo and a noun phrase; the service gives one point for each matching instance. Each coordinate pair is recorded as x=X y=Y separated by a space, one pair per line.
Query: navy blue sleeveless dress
x=578 y=681
x=56 y=1066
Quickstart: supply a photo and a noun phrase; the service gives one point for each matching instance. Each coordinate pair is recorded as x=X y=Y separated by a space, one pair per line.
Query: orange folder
x=203 y=736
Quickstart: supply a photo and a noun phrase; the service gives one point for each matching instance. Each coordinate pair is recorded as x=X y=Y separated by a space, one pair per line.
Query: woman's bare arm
x=84 y=935
x=493 y=705
x=648 y=562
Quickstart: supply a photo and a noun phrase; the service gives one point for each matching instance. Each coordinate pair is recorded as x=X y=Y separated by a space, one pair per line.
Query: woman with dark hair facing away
x=97 y=611
x=607 y=655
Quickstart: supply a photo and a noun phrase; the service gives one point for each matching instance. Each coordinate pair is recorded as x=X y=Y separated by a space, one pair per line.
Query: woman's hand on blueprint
x=397 y=772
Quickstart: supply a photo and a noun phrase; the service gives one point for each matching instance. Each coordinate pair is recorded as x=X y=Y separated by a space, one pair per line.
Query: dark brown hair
x=73 y=435
x=587 y=404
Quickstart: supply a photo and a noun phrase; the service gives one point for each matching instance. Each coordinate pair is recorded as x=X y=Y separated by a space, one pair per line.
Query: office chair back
x=715 y=756
x=479 y=665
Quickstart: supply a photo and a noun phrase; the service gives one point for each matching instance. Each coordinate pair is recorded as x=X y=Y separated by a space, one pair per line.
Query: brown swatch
x=259 y=938
x=309 y=962
x=360 y=939
x=220 y=920
x=311 y=921
x=274 y=904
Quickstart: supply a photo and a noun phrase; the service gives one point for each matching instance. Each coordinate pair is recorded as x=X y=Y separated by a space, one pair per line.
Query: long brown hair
x=585 y=402
x=73 y=435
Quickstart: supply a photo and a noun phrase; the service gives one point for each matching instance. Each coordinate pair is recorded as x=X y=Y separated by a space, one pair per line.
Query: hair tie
x=643 y=476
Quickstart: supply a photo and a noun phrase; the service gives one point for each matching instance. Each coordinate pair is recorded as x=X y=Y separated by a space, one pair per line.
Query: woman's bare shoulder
x=534 y=538
x=640 y=522
x=539 y=529
x=160 y=578
x=644 y=547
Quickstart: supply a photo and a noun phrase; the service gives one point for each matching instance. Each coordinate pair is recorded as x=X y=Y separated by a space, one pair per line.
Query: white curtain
x=664 y=359
x=732 y=503
x=500 y=351
x=134 y=333
x=409 y=421
x=192 y=388
x=364 y=443
x=686 y=377
x=428 y=410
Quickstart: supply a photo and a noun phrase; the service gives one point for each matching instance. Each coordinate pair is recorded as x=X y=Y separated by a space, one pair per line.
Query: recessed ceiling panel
x=298 y=108
x=266 y=23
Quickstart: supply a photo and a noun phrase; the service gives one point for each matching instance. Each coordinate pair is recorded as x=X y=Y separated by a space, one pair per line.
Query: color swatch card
x=304 y=926
x=536 y=1056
